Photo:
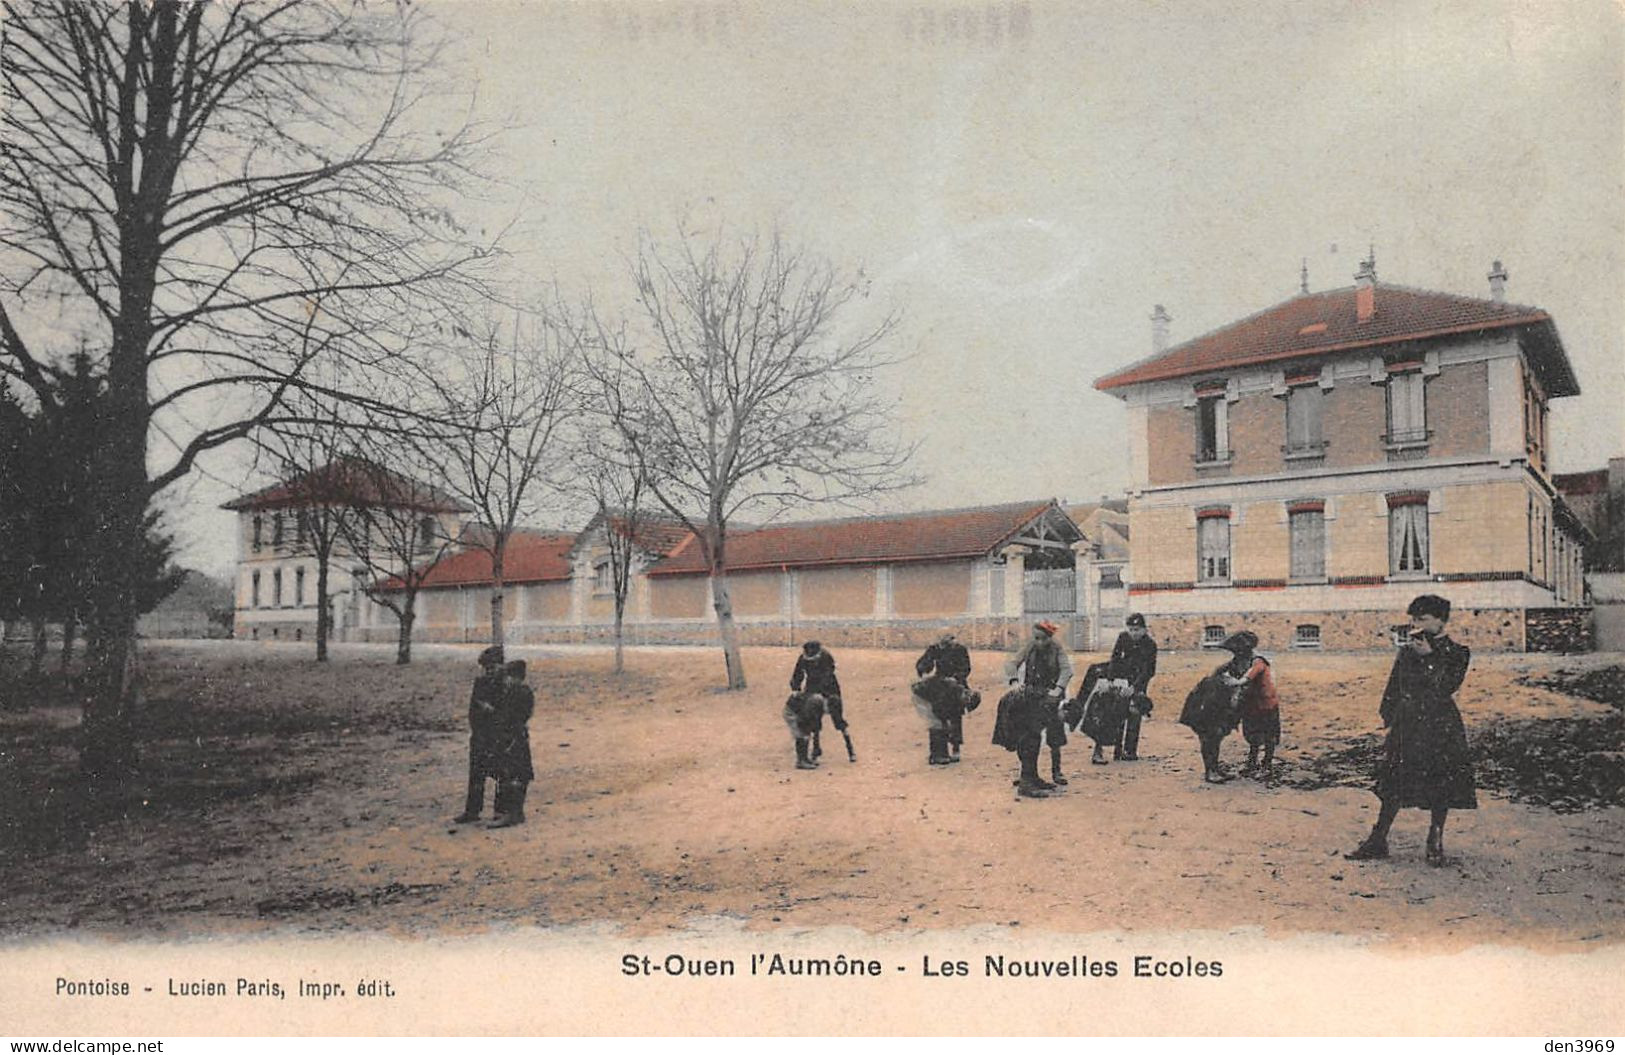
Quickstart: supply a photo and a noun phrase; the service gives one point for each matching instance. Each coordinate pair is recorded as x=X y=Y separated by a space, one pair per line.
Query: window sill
x=1319 y=580
x=1213 y=584
x=1411 y=576
x=1216 y=463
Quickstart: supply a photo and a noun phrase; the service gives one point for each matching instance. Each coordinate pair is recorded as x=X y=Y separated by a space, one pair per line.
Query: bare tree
x=499 y=449
x=229 y=192
x=741 y=383
x=397 y=526
x=611 y=478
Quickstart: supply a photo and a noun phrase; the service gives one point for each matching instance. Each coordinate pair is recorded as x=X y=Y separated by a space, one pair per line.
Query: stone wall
x=1481 y=629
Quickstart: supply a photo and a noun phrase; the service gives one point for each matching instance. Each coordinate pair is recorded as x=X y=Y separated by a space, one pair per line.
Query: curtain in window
x=1308 y=534
x=1213 y=549
x=1408 y=539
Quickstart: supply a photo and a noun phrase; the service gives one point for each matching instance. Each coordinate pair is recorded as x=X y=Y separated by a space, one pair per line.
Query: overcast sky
x=1025 y=180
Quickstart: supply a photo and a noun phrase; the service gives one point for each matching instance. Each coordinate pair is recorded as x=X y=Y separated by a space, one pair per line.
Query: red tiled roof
x=350 y=481
x=937 y=535
x=531 y=556
x=1317 y=323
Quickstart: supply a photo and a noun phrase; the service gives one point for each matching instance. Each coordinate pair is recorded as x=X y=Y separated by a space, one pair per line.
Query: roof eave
x=1121 y=380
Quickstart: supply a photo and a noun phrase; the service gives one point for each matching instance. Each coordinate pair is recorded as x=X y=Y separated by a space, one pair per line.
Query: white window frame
x=1220 y=451
x=1413 y=515
x=1213 y=567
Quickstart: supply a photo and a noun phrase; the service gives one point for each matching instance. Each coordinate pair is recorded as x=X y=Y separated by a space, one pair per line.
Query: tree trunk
x=723 y=606
x=36 y=631
x=70 y=631
x=403 y=648
x=498 y=595
x=620 y=634
x=324 y=614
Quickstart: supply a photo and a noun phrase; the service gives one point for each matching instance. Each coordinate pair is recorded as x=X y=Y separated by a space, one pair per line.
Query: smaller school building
x=870 y=581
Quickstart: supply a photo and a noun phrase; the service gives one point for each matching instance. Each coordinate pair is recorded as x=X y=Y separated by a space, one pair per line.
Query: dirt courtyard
x=283 y=796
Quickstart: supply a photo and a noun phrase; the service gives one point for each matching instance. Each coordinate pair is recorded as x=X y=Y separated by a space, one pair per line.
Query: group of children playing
x=1242 y=690
x=1425 y=762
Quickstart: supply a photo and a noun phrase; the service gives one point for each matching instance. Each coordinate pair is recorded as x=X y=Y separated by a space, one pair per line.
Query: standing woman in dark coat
x=513 y=768
x=1424 y=760
x=482 y=719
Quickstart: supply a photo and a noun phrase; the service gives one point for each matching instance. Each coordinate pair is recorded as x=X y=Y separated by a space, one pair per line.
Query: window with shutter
x=1304 y=437
x=1308 y=544
x=1407 y=410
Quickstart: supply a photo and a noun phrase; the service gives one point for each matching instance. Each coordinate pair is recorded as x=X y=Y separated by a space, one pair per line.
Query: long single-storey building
x=886 y=580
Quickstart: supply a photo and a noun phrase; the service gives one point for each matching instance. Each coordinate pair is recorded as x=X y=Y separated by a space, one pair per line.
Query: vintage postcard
x=728 y=517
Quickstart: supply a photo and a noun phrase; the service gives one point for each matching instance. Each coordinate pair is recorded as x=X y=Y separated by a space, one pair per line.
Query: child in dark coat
x=815 y=673
x=1425 y=760
x=804 y=716
x=512 y=755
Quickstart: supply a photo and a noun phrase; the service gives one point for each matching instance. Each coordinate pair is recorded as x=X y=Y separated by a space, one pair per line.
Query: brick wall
x=1259 y=543
x=1257 y=431
x=1356 y=415
x=1164 y=545
x=1478 y=528
x=1357 y=537
x=1458 y=411
x=931 y=589
x=1171 y=432
x=1560 y=630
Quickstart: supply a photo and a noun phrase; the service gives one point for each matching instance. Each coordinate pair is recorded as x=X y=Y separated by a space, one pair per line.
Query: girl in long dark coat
x=1212 y=709
x=1425 y=762
x=512 y=754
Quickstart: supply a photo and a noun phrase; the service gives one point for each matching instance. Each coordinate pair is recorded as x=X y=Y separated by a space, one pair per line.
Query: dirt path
x=662 y=801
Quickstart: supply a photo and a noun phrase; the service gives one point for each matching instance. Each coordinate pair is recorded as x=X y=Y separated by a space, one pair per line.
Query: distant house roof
x=951 y=534
x=657 y=534
x=1593 y=481
x=530 y=557
x=1314 y=324
x=350 y=481
x=1105 y=524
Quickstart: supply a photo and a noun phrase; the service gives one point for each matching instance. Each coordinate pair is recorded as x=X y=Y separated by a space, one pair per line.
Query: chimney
x=1498 y=283
x=1159 y=329
x=1365 y=289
